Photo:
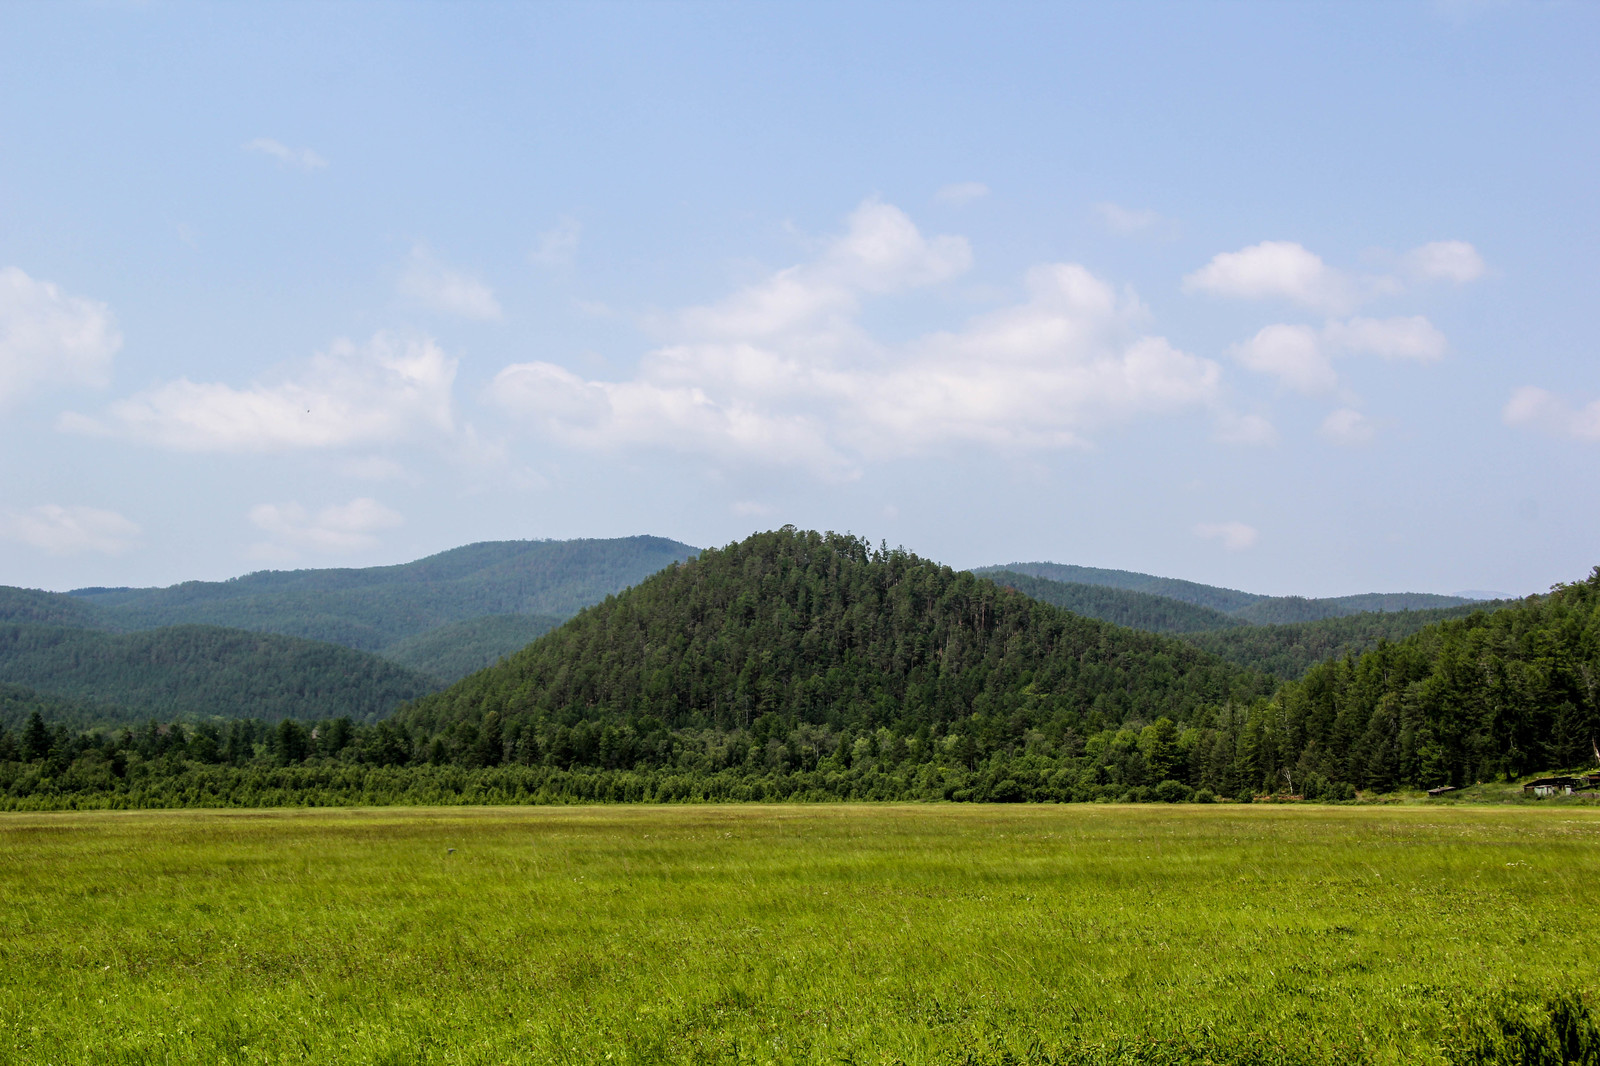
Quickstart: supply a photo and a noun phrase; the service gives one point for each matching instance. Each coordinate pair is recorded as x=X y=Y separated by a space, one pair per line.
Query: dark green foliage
x=788 y=630
x=1123 y=607
x=1288 y=651
x=1285 y=610
x=36 y=607
x=202 y=672
x=378 y=606
x=18 y=704
x=1497 y=694
x=453 y=651
x=1191 y=592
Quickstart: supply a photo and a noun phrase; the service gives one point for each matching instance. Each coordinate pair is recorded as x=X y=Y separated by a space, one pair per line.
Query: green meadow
x=815 y=934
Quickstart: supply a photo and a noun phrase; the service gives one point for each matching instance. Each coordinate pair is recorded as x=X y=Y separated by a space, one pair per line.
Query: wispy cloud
x=429 y=283
x=48 y=337
x=303 y=159
x=337 y=529
x=69 y=530
x=1348 y=427
x=1126 y=220
x=351 y=395
x=1234 y=536
x=1537 y=409
x=962 y=192
x=559 y=245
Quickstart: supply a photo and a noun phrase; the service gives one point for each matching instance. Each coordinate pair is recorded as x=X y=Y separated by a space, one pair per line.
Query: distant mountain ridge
x=307 y=643
x=1249 y=607
x=375 y=607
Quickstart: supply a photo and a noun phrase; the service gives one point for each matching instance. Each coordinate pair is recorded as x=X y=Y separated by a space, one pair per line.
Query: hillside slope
x=1191 y=592
x=790 y=629
x=1248 y=607
x=1289 y=650
x=456 y=649
x=1498 y=693
x=202 y=672
x=1123 y=607
x=376 y=607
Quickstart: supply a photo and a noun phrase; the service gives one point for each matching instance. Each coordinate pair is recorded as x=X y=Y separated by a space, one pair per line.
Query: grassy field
x=819 y=934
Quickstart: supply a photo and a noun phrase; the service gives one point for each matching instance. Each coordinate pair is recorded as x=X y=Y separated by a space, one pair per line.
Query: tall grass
x=861 y=934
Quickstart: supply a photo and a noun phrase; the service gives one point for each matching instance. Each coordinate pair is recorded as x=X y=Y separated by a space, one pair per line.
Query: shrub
x=1170 y=791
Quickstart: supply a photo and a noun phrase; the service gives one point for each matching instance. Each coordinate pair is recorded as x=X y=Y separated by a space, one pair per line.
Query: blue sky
x=1292 y=298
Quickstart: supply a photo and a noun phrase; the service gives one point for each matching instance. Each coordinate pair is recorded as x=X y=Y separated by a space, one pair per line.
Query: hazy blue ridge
x=1123 y=607
x=1191 y=592
x=194 y=672
x=457 y=649
x=376 y=607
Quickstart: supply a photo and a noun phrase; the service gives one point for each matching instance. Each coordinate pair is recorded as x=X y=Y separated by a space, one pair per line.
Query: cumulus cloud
x=1302 y=357
x=69 y=530
x=1455 y=261
x=783 y=371
x=338 y=529
x=1285 y=270
x=1275 y=269
x=1126 y=220
x=962 y=192
x=1292 y=354
x=1348 y=426
x=1234 y=536
x=1537 y=409
x=429 y=283
x=298 y=158
x=387 y=389
x=557 y=246
x=48 y=337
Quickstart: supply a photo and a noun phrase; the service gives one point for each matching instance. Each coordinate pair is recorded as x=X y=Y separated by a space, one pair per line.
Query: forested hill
x=195 y=672
x=1289 y=650
x=1504 y=692
x=1123 y=607
x=1191 y=592
x=805 y=635
x=1247 y=607
x=376 y=607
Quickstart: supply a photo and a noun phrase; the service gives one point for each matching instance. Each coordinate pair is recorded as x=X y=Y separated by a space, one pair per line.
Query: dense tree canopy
x=203 y=672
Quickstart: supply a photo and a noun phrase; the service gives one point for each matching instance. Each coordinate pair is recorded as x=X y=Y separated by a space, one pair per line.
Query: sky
x=1293 y=298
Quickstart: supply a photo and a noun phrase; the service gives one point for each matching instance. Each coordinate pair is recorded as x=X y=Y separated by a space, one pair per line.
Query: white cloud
x=1412 y=337
x=1250 y=430
x=384 y=390
x=1535 y=408
x=1276 y=269
x=1348 y=426
x=1455 y=261
x=1126 y=220
x=48 y=337
x=343 y=528
x=1292 y=354
x=1302 y=357
x=783 y=372
x=962 y=192
x=69 y=530
x=430 y=284
x=559 y=245
x=298 y=158
x=1235 y=536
